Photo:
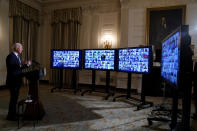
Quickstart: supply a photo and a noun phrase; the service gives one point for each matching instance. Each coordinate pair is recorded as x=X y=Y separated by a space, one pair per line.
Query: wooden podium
x=34 y=109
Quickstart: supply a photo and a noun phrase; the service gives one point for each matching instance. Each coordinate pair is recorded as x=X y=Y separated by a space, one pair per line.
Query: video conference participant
x=14 y=77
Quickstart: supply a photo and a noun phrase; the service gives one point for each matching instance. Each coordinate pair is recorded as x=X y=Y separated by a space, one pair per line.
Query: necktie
x=19 y=59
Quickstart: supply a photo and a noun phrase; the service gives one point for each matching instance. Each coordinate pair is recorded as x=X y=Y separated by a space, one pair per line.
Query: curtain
x=25 y=27
x=65 y=32
x=17 y=8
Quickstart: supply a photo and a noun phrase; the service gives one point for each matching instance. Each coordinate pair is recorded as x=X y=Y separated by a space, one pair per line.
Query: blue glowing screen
x=134 y=60
x=99 y=59
x=66 y=58
x=170 y=58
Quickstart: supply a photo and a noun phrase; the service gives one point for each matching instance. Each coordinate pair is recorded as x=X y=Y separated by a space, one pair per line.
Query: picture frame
x=161 y=22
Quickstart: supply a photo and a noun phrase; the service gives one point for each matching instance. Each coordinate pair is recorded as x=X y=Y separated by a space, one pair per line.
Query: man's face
x=19 y=49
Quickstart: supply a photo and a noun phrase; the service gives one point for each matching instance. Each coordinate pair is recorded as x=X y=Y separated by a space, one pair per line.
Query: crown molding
x=43 y=2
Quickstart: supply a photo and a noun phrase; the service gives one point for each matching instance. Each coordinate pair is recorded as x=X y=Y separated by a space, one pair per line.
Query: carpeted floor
x=68 y=112
x=59 y=108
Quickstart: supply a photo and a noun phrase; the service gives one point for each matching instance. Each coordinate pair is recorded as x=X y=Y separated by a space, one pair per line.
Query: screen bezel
x=150 y=60
x=115 y=57
x=179 y=54
x=80 y=59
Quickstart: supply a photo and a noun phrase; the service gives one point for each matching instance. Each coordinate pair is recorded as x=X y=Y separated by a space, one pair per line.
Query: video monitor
x=135 y=60
x=70 y=59
x=99 y=59
x=170 y=58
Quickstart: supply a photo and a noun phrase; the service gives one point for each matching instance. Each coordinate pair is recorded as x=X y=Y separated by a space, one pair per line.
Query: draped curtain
x=25 y=25
x=65 y=35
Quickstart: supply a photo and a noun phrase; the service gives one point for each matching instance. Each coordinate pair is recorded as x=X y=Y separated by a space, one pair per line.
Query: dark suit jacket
x=14 y=70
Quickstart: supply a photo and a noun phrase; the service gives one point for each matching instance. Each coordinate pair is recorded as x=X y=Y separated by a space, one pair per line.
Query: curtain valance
x=67 y=15
x=18 y=8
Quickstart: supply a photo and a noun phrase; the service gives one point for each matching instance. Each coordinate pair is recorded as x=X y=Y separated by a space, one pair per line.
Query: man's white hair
x=16 y=45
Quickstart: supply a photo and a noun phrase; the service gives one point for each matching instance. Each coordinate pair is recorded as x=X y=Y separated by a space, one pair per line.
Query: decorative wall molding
x=35 y=4
x=89 y=8
x=124 y=3
x=109 y=26
x=136 y=26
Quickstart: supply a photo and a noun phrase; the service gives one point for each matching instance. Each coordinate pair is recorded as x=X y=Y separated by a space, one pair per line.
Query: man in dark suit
x=14 y=77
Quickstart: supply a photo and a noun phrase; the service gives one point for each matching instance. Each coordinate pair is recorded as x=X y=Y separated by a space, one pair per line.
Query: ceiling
x=54 y=1
x=49 y=1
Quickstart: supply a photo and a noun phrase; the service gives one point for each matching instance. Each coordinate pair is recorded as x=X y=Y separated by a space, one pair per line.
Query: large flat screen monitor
x=66 y=59
x=170 y=57
x=99 y=59
x=135 y=60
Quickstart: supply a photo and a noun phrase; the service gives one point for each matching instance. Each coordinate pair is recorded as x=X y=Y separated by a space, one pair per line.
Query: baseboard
x=96 y=86
x=121 y=90
x=3 y=86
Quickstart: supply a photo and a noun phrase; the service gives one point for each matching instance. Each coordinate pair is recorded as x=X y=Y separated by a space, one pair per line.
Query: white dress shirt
x=17 y=55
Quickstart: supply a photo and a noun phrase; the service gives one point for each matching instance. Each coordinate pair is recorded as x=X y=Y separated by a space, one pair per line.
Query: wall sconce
x=107 y=41
x=107 y=44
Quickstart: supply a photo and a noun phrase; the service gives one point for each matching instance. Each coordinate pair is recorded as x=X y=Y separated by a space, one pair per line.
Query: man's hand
x=29 y=62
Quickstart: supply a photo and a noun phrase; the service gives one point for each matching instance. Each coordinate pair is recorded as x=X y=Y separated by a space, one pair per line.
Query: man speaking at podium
x=14 y=77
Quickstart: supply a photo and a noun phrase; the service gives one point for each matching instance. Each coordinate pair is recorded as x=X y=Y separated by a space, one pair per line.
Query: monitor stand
x=143 y=103
x=93 y=85
x=74 y=80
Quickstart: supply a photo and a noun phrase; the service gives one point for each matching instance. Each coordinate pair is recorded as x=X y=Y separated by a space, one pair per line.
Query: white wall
x=98 y=16
x=133 y=25
x=137 y=18
x=131 y=16
x=191 y=19
x=4 y=38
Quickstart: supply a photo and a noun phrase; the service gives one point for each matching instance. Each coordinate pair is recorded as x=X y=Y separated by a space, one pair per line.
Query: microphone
x=35 y=62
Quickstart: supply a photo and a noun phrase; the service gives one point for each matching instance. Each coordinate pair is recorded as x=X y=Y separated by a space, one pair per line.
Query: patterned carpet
x=68 y=112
